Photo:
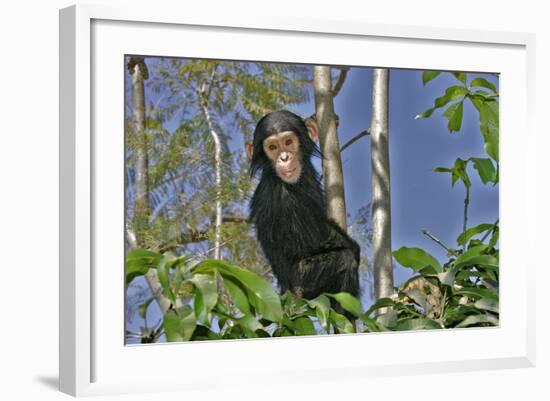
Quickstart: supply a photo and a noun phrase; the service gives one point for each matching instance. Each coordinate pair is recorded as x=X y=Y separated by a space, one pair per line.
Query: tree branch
x=340 y=81
x=354 y=139
x=131 y=238
x=439 y=242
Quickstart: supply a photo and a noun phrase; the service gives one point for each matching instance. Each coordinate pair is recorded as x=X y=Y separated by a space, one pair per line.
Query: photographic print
x=270 y=199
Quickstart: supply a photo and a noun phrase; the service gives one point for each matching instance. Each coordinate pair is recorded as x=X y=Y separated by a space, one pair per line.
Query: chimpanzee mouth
x=290 y=172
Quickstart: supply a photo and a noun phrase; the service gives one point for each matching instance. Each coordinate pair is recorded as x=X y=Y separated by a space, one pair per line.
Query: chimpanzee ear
x=312 y=129
x=249 y=147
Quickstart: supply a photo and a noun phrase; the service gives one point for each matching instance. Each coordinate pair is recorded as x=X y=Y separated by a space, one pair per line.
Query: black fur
x=308 y=252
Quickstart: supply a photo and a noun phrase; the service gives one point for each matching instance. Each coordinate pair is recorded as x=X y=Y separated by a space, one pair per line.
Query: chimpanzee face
x=283 y=149
x=282 y=143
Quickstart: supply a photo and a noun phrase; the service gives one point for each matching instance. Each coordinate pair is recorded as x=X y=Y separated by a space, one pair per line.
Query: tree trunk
x=330 y=148
x=138 y=72
x=136 y=237
x=381 y=205
x=218 y=163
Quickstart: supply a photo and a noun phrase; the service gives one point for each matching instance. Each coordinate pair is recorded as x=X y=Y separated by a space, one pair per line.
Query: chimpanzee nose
x=284 y=157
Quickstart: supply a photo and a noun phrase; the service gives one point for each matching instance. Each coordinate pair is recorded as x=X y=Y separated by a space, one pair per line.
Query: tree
x=139 y=73
x=381 y=199
x=196 y=176
x=202 y=172
x=204 y=93
x=328 y=140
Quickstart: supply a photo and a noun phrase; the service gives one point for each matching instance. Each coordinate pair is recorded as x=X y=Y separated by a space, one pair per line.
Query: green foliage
x=427 y=76
x=416 y=259
x=139 y=262
x=472 y=231
x=484 y=167
x=464 y=291
x=217 y=300
x=181 y=166
x=463 y=294
x=486 y=103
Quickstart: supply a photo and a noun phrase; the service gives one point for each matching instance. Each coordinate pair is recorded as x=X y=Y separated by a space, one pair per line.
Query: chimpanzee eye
x=272 y=147
x=288 y=142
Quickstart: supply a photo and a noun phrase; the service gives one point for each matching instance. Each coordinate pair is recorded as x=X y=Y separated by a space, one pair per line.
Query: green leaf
x=477 y=319
x=461 y=76
x=478 y=293
x=459 y=171
x=425 y=114
x=487 y=261
x=370 y=323
x=471 y=232
x=470 y=252
x=138 y=263
x=321 y=304
x=179 y=324
x=428 y=271
x=427 y=76
x=415 y=258
x=238 y=295
x=492 y=284
x=380 y=303
x=144 y=306
x=447 y=277
x=417 y=324
x=451 y=93
x=249 y=325
x=162 y=273
x=494 y=238
x=206 y=297
x=419 y=299
x=443 y=170
x=348 y=302
x=303 y=326
x=259 y=291
x=454 y=115
x=487 y=304
x=204 y=333
x=488 y=123
x=454 y=314
x=485 y=169
x=341 y=323
x=387 y=320
x=484 y=83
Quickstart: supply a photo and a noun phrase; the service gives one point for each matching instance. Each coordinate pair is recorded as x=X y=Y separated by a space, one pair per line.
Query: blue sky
x=421 y=198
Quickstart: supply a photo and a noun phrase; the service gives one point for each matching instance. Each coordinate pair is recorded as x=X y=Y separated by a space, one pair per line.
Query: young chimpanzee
x=308 y=252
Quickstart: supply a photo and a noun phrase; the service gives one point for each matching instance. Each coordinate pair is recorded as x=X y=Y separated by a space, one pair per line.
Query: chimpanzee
x=308 y=252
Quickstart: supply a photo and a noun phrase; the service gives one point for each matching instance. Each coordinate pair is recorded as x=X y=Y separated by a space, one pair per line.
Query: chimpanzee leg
x=331 y=272
x=334 y=271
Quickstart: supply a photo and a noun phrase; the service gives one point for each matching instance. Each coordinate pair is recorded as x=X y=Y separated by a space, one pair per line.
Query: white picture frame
x=93 y=358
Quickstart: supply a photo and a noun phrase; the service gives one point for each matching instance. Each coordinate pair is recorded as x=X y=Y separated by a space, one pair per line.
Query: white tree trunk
x=330 y=148
x=138 y=72
x=218 y=163
x=381 y=204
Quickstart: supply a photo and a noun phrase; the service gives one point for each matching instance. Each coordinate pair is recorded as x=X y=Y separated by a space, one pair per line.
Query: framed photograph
x=308 y=199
